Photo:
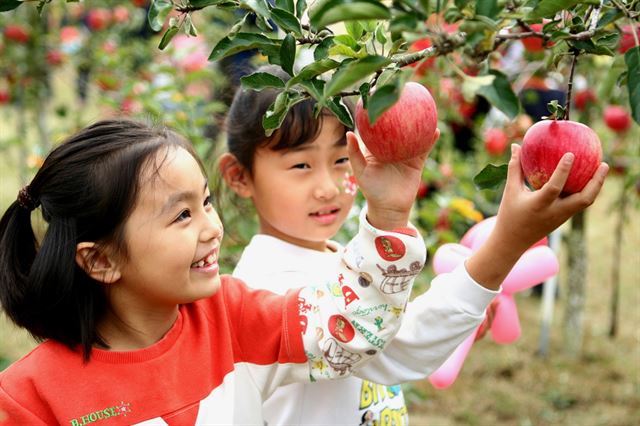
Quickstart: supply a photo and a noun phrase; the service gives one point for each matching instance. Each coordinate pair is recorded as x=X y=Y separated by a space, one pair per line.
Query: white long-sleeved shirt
x=435 y=323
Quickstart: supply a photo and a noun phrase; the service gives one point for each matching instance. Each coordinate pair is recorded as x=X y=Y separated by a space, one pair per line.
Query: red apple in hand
x=405 y=130
x=617 y=118
x=495 y=141
x=547 y=141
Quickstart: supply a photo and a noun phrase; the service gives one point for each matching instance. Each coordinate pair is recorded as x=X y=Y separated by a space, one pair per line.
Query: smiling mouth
x=209 y=260
x=324 y=212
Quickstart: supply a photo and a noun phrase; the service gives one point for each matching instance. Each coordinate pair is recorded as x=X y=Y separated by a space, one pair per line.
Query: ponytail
x=18 y=248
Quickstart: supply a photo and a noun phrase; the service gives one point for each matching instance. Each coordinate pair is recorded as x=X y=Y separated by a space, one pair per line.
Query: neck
x=133 y=329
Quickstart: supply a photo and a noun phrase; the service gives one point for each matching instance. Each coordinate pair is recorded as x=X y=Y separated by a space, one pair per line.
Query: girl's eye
x=301 y=166
x=207 y=201
x=343 y=160
x=184 y=215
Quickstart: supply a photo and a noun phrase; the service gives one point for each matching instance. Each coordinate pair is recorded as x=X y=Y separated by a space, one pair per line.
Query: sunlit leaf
x=353 y=72
x=327 y=12
x=242 y=42
x=261 y=80
x=158 y=12
x=168 y=35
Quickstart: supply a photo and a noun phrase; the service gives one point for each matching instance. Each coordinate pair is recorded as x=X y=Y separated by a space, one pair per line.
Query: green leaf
x=353 y=72
x=301 y=8
x=354 y=29
x=548 y=8
x=286 y=5
x=336 y=106
x=322 y=50
x=288 y=53
x=382 y=99
x=312 y=70
x=589 y=46
x=237 y=26
x=277 y=112
x=287 y=21
x=189 y=27
x=7 y=5
x=632 y=59
x=158 y=12
x=488 y=8
x=471 y=84
x=327 y=12
x=491 y=177
x=315 y=87
x=380 y=34
x=501 y=95
x=204 y=3
x=242 y=42
x=364 y=93
x=261 y=80
x=261 y=7
x=347 y=40
x=168 y=35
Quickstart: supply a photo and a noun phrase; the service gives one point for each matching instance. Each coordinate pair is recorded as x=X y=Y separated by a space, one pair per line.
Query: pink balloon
x=444 y=376
x=479 y=229
x=449 y=256
x=506 y=324
x=536 y=265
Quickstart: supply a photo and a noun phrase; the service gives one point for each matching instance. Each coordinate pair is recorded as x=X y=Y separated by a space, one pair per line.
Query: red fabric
x=169 y=379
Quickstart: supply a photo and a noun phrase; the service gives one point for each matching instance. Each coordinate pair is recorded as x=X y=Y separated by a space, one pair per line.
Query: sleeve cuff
x=468 y=295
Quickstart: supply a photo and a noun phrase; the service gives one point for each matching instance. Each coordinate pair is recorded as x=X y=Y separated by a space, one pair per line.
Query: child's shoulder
x=48 y=354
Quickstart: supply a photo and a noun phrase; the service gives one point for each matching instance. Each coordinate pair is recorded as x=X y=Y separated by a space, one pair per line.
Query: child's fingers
x=514 y=172
x=553 y=188
x=587 y=196
x=357 y=160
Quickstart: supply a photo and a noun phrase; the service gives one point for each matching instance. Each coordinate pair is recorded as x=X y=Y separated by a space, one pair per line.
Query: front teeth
x=205 y=262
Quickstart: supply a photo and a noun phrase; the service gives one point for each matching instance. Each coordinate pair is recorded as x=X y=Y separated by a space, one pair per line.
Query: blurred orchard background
x=492 y=66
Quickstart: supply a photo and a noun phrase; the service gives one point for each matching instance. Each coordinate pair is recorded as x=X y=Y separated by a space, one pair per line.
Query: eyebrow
x=181 y=196
x=307 y=145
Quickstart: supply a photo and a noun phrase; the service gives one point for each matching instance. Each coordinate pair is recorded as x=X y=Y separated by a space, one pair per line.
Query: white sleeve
x=434 y=325
x=351 y=318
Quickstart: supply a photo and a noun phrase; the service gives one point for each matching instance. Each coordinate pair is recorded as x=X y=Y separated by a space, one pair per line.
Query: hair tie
x=24 y=199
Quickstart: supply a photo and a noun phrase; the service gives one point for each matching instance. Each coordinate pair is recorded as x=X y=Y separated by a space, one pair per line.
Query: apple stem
x=570 y=84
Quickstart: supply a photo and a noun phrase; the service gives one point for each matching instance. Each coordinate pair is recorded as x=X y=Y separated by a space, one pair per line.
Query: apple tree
x=477 y=57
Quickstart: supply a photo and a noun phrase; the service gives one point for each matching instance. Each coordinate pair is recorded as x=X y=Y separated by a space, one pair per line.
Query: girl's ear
x=96 y=263
x=235 y=175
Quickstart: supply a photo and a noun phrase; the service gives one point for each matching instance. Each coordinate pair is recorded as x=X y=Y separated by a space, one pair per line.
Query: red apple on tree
x=405 y=130
x=584 y=98
x=617 y=118
x=547 y=141
x=17 y=33
x=5 y=97
x=495 y=141
x=425 y=64
x=627 y=41
x=535 y=44
x=98 y=19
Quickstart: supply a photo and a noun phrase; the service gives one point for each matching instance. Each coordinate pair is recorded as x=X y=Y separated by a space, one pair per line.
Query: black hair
x=87 y=187
x=245 y=133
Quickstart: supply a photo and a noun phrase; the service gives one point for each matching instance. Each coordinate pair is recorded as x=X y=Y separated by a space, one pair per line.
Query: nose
x=326 y=186
x=212 y=227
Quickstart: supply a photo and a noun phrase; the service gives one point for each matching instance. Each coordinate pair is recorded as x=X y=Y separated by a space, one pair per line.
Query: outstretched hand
x=390 y=188
x=526 y=216
x=529 y=215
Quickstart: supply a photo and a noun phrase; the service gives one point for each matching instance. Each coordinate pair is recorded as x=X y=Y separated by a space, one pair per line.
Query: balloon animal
x=536 y=265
